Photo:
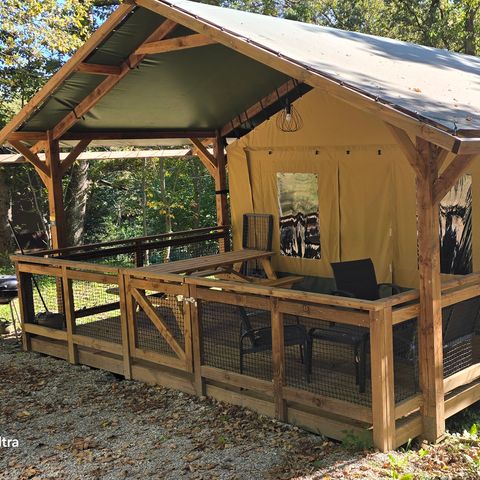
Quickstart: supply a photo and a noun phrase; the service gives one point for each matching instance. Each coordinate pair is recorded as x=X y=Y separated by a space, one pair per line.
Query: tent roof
x=206 y=88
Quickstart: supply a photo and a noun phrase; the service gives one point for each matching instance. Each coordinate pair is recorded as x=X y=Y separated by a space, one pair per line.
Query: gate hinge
x=190 y=300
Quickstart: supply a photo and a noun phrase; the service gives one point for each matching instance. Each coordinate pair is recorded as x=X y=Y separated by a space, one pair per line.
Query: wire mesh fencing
x=169 y=312
x=97 y=310
x=236 y=339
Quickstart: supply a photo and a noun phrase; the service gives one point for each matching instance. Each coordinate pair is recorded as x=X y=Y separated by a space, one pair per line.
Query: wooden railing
x=163 y=337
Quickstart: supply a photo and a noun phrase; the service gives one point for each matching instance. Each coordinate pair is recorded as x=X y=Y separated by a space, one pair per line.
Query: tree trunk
x=165 y=203
x=470 y=31
x=5 y=237
x=76 y=197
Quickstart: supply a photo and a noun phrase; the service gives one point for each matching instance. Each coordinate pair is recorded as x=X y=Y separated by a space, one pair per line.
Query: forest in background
x=115 y=199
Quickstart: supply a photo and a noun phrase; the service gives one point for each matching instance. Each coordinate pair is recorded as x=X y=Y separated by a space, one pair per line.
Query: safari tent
x=349 y=147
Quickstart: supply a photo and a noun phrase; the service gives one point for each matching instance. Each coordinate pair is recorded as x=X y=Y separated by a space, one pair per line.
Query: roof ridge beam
x=81 y=54
x=108 y=84
x=175 y=44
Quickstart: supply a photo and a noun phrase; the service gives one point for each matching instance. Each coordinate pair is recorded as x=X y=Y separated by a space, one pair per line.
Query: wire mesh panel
x=457 y=356
x=339 y=359
x=405 y=359
x=169 y=311
x=47 y=294
x=236 y=339
x=97 y=310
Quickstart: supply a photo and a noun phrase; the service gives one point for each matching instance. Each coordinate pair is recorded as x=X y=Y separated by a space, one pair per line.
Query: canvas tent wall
x=366 y=188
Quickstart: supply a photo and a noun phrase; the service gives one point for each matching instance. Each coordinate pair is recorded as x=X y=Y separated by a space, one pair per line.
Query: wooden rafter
x=97 y=69
x=451 y=174
x=406 y=146
x=174 y=44
x=73 y=155
x=208 y=160
x=138 y=134
x=155 y=318
x=110 y=82
x=96 y=39
x=40 y=166
x=258 y=107
x=27 y=136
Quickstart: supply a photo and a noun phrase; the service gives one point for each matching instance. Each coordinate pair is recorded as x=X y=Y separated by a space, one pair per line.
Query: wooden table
x=223 y=266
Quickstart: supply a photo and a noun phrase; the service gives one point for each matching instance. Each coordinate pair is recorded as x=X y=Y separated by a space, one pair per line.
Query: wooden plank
x=330 y=314
x=408 y=406
x=383 y=399
x=98 y=69
x=69 y=316
x=237 y=380
x=197 y=342
x=27 y=136
x=73 y=155
x=155 y=318
x=92 y=277
x=102 y=360
x=174 y=44
x=45 y=331
x=155 y=375
x=295 y=70
x=405 y=313
x=330 y=426
x=263 y=407
x=208 y=160
x=460 y=401
x=108 y=84
x=39 y=269
x=449 y=177
x=469 y=146
x=188 y=310
x=154 y=286
x=25 y=300
x=41 y=167
x=131 y=316
x=97 y=344
x=259 y=106
x=430 y=344
x=407 y=429
x=127 y=365
x=464 y=377
x=137 y=134
x=67 y=69
x=158 y=358
x=50 y=347
x=406 y=146
x=54 y=262
x=457 y=296
x=278 y=361
x=332 y=405
x=233 y=298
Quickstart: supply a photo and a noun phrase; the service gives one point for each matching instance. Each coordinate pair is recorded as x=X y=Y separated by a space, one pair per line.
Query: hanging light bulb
x=289 y=120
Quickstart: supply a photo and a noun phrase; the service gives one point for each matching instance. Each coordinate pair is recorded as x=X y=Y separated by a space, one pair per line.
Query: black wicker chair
x=256 y=340
x=354 y=279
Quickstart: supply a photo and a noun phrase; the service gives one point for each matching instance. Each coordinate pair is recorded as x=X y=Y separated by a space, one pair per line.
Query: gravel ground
x=73 y=422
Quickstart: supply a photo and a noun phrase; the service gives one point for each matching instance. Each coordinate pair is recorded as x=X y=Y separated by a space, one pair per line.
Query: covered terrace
x=396 y=112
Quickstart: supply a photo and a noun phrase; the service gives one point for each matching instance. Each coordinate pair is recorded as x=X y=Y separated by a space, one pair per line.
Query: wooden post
x=197 y=342
x=25 y=299
x=127 y=367
x=69 y=315
x=221 y=190
x=381 y=358
x=430 y=321
x=55 y=194
x=278 y=361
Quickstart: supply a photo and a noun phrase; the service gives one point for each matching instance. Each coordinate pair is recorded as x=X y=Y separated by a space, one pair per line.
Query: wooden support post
x=127 y=367
x=430 y=320
x=221 y=190
x=69 y=315
x=278 y=361
x=55 y=194
x=131 y=314
x=381 y=358
x=25 y=299
x=197 y=342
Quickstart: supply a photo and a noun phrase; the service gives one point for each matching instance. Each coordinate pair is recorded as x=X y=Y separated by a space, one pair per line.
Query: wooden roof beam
x=98 y=69
x=255 y=109
x=40 y=167
x=205 y=156
x=138 y=134
x=109 y=83
x=81 y=54
x=175 y=44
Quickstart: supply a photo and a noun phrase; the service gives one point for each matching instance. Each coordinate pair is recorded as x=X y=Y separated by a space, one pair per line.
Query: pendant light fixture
x=289 y=120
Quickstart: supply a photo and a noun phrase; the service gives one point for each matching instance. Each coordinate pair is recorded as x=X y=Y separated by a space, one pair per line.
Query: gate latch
x=190 y=300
